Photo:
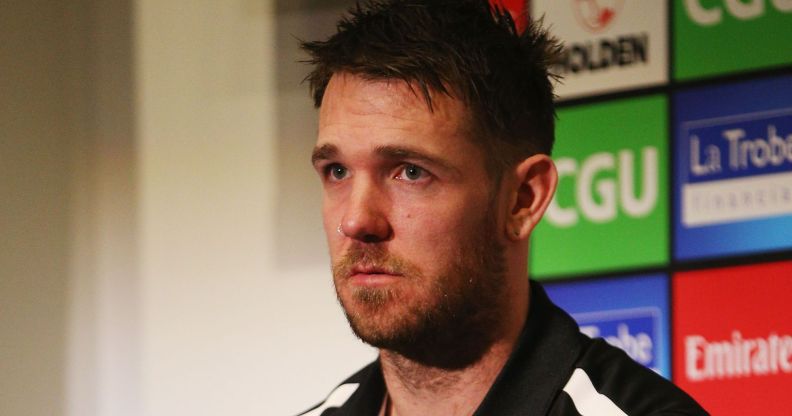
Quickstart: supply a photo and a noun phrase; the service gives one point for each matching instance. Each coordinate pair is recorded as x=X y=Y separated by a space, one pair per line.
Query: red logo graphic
x=516 y=9
x=596 y=15
x=732 y=335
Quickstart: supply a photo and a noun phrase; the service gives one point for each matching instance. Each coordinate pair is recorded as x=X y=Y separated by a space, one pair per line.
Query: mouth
x=372 y=276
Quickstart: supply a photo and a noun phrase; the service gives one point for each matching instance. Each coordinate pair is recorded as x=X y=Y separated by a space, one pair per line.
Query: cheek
x=332 y=208
x=328 y=219
x=331 y=220
x=431 y=230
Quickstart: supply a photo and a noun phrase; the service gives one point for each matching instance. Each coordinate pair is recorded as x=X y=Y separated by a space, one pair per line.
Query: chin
x=378 y=316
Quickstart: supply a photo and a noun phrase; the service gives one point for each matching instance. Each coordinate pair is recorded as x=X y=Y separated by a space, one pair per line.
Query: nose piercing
x=339 y=230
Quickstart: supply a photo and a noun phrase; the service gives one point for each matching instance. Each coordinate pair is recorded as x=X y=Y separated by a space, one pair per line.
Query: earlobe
x=536 y=183
x=516 y=225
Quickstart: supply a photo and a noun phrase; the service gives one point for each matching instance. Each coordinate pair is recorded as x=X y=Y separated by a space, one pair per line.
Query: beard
x=446 y=321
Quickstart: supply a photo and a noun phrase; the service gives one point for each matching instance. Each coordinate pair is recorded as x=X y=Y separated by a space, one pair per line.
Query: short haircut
x=466 y=49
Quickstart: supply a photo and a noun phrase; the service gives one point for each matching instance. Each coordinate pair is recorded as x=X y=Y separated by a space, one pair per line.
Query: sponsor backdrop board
x=733 y=168
x=610 y=45
x=732 y=331
x=629 y=312
x=712 y=37
x=720 y=162
x=610 y=211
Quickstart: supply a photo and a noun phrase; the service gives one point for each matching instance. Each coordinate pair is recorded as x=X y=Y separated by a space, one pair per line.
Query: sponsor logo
x=737 y=357
x=733 y=168
x=740 y=168
x=597 y=197
x=732 y=338
x=612 y=183
x=516 y=9
x=758 y=33
x=601 y=54
x=630 y=313
x=595 y=15
x=608 y=44
x=595 y=55
x=632 y=330
x=739 y=9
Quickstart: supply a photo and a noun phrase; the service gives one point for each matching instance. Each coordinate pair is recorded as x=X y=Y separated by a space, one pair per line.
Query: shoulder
x=363 y=389
x=606 y=381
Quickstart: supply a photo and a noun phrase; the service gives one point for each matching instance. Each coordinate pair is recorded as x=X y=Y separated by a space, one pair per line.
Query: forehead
x=354 y=102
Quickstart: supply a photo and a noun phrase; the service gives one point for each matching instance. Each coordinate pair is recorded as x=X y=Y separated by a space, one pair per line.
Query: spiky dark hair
x=466 y=49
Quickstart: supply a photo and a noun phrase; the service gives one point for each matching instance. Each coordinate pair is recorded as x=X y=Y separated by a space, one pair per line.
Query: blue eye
x=412 y=172
x=337 y=171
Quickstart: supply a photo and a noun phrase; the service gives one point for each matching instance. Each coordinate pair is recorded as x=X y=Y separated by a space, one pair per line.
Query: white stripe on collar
x=586 y=399
x=336 y=398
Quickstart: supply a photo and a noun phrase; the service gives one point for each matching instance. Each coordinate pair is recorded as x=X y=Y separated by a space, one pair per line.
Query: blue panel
x=733 y=169
x=629 y=312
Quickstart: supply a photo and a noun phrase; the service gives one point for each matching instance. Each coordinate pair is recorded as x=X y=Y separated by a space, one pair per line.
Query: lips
x=367 y=275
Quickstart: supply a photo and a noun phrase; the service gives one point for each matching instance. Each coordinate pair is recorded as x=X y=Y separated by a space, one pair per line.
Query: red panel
x=518 y=10
x=732 y=338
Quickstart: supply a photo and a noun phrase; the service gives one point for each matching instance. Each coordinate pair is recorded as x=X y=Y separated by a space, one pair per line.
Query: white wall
x=225 y=330
x=140 y=177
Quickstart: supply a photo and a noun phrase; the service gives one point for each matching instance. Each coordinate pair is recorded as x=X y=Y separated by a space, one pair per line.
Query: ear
x=536 y=183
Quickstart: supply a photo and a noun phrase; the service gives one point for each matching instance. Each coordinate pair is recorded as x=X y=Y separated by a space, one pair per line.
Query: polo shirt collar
x=541 y=363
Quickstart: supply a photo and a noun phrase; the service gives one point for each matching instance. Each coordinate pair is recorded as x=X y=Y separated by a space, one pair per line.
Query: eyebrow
x=398 y=152
x=323 y=152
x=330 y=151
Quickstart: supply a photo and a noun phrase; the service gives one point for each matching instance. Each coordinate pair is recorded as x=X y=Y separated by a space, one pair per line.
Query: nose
x=365 y=218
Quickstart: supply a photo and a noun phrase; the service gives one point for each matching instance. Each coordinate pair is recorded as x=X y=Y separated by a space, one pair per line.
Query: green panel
x=760 y=38
x=600 y=140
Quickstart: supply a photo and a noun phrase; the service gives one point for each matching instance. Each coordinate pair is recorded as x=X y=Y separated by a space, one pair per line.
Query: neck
x=414 y=388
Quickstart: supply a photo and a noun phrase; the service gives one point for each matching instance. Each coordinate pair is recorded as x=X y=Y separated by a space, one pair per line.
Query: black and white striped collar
x=540 y=364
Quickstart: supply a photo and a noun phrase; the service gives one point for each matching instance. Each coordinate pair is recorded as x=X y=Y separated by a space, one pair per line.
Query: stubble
x=453 y=318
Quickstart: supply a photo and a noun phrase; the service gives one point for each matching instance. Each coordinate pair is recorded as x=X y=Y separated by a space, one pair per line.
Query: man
x=435 y=128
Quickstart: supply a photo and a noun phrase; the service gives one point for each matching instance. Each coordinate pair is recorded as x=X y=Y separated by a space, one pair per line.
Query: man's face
x=410 y=216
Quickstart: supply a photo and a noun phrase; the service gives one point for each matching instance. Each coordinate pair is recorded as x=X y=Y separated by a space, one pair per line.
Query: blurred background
x=162 y=250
